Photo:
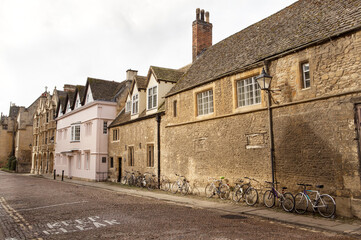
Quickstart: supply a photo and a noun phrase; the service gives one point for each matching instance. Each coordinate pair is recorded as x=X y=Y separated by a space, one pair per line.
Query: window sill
x=205 y=116
x=247 y=108
x=74 y=141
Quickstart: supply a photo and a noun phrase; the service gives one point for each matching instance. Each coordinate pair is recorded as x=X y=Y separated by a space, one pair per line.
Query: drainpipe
x=158 y=119
x=270 y=118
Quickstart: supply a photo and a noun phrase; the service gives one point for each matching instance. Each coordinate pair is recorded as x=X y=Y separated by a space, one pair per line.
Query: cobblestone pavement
x=37 y=208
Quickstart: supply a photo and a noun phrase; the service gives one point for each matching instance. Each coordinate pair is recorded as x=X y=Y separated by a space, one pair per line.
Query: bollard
x=54 y=174
x=62 y=175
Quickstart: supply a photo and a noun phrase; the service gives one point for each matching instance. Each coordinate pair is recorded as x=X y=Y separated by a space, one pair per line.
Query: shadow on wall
x=304 y=154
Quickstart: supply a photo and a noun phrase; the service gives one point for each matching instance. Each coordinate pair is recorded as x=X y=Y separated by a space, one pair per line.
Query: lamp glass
x=264 y=80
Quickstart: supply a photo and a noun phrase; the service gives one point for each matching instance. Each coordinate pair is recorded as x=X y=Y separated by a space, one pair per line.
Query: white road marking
x=49 y=206
x=67 y=226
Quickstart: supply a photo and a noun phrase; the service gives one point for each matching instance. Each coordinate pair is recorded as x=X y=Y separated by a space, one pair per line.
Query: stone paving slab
x=300 y=220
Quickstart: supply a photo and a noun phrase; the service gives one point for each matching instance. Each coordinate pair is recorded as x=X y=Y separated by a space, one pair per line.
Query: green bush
x=11 y=165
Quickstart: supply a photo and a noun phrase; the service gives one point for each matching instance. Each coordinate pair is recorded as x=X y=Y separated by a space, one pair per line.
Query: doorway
x=120 y=169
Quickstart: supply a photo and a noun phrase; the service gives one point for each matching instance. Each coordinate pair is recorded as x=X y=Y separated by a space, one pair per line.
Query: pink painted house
x=83 y=116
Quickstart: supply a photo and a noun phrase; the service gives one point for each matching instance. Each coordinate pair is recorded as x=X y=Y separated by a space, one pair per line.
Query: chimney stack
x=202 y=34
x=131 y=73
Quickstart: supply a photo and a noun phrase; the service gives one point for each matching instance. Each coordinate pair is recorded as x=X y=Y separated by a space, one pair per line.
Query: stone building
x=23 y=137
x=135 y=133
x=7 y=135
x=216 y=119
x=82 y=119
x=44 y=131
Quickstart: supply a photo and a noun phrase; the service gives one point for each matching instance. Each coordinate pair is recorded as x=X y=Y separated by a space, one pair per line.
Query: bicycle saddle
x=319 y=186
x=284 y=187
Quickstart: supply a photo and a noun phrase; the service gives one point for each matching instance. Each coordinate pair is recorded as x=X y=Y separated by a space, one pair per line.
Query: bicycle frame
x=317 y=197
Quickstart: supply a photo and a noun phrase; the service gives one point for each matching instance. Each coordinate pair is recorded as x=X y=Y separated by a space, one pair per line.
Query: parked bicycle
x=286 y=199
x=245 y=191
x=165 y=183
x=126 y=177
x=217 y=187
x=181 y=185
x=151 y=182
x=324 y=203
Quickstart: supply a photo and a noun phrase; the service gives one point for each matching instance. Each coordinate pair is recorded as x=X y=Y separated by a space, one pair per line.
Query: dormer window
x=135 y=107
x=77 y=102
x=152 y=97
x=128 y=106
x=60 y=112
x=68 y=108
x=89 y=96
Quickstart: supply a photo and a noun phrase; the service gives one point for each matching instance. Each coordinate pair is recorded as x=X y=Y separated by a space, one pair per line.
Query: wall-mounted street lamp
x=264 y=82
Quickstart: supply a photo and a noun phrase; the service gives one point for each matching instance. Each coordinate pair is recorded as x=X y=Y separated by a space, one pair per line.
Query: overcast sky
x=56 y=42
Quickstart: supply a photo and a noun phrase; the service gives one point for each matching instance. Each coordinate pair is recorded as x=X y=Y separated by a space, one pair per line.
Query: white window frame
x=60 y=112
x=68 y=108
x=77 y=102
x=152 y=97
x=248 y=92
x=135 y=104
x=128 y=106
x=89 y=96
x=205 y=102
x=75 y=133
x=306 y=77
x=115 y=134
x=105 y=127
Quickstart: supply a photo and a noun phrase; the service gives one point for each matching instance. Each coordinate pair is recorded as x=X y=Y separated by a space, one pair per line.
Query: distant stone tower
x=202 y=34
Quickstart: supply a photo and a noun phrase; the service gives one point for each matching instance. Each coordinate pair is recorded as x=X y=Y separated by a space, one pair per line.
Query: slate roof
x=300 y=24
x=103 y=90
x=80 y=90
x=124 y=118
x=141 y=82
x=167 y=74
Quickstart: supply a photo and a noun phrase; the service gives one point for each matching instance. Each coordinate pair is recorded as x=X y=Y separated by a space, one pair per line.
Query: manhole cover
x=233 y=217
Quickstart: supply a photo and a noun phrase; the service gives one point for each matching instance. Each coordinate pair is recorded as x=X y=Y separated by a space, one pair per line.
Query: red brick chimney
x=202 y=34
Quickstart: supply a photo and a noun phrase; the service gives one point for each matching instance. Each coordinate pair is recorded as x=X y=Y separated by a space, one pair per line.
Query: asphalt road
x=37 y=208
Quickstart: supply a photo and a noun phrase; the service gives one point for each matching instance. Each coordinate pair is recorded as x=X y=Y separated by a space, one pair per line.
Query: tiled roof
x=124 y=117
x=141 y=82
x=71 y=97
x=167 y=74
x=104 y=90
x=302 y=23
x=81 y=91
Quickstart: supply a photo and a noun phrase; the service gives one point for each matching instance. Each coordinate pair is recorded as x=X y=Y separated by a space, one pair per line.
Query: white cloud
x=54 y=42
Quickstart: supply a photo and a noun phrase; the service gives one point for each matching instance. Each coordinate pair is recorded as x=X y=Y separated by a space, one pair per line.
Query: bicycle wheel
x=326 y=206
x=288 y=202
x=150 y=183
x=269 y=198
x=185 y=188
x=195 y=191
x=175 y=187
x=224 y=191
x=237 y=194
x=209 y=190
x=251 y=196
x=165 y=185
x=301 y=203
x=124 y=180
x=131 y=181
